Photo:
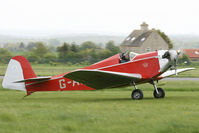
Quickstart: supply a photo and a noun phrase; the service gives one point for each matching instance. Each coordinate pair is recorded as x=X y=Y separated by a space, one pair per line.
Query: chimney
x=144 y=27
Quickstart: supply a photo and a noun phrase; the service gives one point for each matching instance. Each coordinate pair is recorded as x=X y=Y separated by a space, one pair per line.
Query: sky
x=108 y=17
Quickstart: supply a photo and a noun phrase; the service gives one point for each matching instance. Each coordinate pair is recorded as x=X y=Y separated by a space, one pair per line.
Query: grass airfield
x=108 y=110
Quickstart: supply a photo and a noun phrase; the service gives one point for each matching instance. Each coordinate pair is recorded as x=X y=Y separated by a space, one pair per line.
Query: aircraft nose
x=171 y=55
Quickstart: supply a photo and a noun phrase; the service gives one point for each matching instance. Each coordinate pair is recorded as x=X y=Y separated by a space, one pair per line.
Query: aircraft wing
x=172 y=72
x=102 y=79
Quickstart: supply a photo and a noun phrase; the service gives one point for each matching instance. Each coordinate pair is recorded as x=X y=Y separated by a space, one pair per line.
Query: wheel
x=161 y=93
x=137 y=94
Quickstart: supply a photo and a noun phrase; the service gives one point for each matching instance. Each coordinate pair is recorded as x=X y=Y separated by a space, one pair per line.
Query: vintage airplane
x=117 y=71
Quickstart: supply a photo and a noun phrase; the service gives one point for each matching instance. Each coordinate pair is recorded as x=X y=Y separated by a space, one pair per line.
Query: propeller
x=172 y=55
x=176 y=61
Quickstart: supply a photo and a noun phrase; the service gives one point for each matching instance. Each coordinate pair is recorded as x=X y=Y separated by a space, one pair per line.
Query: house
x=144 y=40
x=193 y=54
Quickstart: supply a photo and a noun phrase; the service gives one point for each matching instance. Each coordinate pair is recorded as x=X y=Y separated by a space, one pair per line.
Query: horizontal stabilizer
x=38 y=79
x=102 y=79
x=172 y=72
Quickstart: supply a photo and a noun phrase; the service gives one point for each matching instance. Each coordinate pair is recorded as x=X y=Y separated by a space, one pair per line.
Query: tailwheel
x=137 y=94
x=160 y=93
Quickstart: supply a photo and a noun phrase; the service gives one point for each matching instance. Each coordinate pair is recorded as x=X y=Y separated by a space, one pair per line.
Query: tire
x=137 y=94
x=161 y=93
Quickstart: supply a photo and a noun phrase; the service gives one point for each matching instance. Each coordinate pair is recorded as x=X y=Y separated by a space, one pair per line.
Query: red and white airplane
x=117 y=71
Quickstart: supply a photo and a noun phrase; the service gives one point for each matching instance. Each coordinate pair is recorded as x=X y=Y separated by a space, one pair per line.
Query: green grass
x=104 y=111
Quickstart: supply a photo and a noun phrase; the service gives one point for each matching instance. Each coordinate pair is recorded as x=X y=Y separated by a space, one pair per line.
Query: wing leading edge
x=172 y=72
x=102 y=79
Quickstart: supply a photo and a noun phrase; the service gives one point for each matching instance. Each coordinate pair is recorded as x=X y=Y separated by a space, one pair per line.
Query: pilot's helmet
x=126 y=56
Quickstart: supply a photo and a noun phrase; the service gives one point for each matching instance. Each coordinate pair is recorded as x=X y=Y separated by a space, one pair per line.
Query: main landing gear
x=137 y=94
x=158 y=92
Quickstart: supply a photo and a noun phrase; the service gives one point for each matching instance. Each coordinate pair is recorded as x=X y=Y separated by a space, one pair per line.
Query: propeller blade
x=176 y=66
x=176 y=61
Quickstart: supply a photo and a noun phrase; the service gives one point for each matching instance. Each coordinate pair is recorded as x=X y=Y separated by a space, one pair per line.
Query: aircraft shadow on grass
x=83 y=99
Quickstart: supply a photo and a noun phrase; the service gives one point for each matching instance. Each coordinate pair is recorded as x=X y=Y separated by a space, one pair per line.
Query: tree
x=21 y=45
x=74 y=47
x=33 y=58
x=166 y=38
x=50 y=57
x=5 y=55
x=63 y=50
x=105 y=53
x=31 y=45
x=86 y=54
x=184 y=60
x=88 y=45
x=40 y=50
x=111 y=46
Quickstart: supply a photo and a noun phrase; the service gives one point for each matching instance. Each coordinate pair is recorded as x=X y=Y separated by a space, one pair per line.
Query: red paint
x=26 y=67
x=148 y=68
x=107 y=62
x=59 y=84
x=145 y=64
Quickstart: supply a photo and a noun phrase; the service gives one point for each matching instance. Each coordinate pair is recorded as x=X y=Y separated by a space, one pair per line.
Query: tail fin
x=18 y=69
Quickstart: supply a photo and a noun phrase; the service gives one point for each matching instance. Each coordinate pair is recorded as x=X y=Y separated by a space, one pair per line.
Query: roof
x=192 y=53
x=136 y=38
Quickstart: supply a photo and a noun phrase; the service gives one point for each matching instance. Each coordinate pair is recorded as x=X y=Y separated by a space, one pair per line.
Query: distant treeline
x=37 y=52
x=86 y=53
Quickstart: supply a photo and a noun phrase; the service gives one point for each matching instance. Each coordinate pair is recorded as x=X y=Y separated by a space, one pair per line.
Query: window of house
x=142 y=39
x=128 y=39
x=196 y=52
x=133 y=38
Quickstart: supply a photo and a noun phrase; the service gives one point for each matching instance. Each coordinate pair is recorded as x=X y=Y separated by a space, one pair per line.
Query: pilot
x=124 y=57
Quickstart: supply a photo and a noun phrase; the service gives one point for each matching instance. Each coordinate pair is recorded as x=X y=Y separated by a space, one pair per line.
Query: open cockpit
x=127 y=56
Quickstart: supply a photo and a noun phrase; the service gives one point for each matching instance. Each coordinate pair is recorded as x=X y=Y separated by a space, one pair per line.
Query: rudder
x=18 y=69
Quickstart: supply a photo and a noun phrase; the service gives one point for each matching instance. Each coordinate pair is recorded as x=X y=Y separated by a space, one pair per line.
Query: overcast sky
x=112 y=17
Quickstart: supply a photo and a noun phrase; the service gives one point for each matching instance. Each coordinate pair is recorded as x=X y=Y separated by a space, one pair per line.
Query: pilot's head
x=126 y=56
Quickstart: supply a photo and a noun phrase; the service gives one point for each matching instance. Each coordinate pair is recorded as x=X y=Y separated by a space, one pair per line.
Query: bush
x=5 y=55
x=184 y=60
x=85 y=63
